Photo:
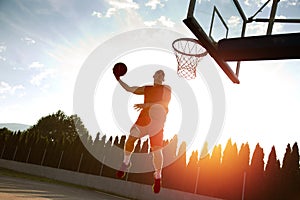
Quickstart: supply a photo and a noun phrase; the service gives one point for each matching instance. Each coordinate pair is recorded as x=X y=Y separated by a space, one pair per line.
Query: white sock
x=126 y=159
x=157 y=174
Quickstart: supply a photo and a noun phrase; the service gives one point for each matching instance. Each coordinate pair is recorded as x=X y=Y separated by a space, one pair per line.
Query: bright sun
x=263 y=108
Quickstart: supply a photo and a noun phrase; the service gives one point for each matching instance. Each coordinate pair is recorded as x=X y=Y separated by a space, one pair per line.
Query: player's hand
x=140 y=106
x=117 y=77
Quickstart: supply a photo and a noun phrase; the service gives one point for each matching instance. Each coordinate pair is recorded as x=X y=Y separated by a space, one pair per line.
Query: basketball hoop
x=188 y=53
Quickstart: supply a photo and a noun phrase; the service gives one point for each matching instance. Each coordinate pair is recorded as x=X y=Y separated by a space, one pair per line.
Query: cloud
x=2 y=48
x=199 y=1
x=163 y=20
x=110 y=12
x=97 y=14
x=6 y=88
x=2 y=58
x=36 y=65
x=246 y=2
x=281 y=17
x=291 y=2
x=154 y=3
x=257 y=3
x=28 y=40
x=37 y=79
x=123 y=4
x=257 y=28
x=115 y=6
x=166 y=21
x=233 y=21
x=150 y=23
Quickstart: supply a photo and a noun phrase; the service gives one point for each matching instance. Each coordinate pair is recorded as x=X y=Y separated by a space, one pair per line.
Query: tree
x=254 y=183
x=214 y=169
x=273 y=164
x=80 y=129
x=230 y=156
x=272 y=176
x=174 y=174
x=208 y=173
x=5 y=136
x=191 y=172
x=295 y=172
x=286 y=159
x=290 y=172
x=230 y=172
x=55 y=128
x=243 y=162
x=295 y=160
x=244 y=157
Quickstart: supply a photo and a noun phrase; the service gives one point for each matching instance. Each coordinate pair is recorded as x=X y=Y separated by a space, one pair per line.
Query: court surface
x=12 y=188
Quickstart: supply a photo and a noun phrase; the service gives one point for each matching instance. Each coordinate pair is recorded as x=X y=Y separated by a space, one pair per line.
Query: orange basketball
x=119 y=69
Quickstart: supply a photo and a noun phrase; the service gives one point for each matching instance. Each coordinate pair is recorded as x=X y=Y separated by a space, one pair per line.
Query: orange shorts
x=151 y=122
x=156 y=139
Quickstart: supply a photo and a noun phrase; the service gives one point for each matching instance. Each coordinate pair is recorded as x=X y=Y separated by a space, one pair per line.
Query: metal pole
x=78 y=168
x=196 y=186
x=102 y=165
x=244 y=183
x=191 y=8
x=127 y=175
x=251 y=18
x=61 y=155
x=15 y=153
x=272 y=17
x=277 y=20
x=2 y=151
x=237 y=71
x=28 y=155
x=44 y=155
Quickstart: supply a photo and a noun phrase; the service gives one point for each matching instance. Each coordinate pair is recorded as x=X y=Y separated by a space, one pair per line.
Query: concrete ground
x=12 y=188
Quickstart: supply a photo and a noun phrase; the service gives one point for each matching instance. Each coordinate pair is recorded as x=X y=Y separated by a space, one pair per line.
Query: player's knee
x=134 y=131
x=156 y=150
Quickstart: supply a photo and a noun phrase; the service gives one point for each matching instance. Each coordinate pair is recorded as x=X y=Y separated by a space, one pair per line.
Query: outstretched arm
x=132 y=89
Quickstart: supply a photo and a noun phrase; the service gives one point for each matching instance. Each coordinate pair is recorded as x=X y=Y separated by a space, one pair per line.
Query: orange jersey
x=157 y=94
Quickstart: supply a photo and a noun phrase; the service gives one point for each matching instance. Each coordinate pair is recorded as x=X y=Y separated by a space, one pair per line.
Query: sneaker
x=122 y=171
x=156 y=185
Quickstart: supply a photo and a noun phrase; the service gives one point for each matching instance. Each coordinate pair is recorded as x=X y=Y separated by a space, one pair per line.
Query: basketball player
x=150 y=122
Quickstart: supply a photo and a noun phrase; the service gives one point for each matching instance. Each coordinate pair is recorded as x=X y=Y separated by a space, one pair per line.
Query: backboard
x=220 y=26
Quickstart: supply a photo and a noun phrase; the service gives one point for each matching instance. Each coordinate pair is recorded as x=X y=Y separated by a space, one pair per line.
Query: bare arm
x=132 y=89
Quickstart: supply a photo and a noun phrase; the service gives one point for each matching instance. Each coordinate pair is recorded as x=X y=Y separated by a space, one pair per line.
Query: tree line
x=61 y=141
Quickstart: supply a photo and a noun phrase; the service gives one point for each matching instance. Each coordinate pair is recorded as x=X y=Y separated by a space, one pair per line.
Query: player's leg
x=128 y=150
x=157 y=161
x=156 y=142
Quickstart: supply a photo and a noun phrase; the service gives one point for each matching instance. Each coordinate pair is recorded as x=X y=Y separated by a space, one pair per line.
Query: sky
x=44 y=43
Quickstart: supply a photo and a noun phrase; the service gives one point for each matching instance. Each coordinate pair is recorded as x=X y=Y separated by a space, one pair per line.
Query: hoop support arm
x=212 y=49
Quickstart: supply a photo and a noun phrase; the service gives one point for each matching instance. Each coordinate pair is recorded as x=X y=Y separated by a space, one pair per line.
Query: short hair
x=162 y=71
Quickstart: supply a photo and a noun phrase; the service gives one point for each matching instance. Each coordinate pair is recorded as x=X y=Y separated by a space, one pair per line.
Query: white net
x=188 y=53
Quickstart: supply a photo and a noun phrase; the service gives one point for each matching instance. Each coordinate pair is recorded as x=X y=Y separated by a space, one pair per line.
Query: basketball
x=119 y=69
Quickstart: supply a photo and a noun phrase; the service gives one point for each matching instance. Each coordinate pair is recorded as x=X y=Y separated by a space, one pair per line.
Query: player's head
x=159 y=76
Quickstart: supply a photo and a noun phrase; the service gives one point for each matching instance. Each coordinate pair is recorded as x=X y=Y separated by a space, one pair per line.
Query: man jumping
x=150 y=122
